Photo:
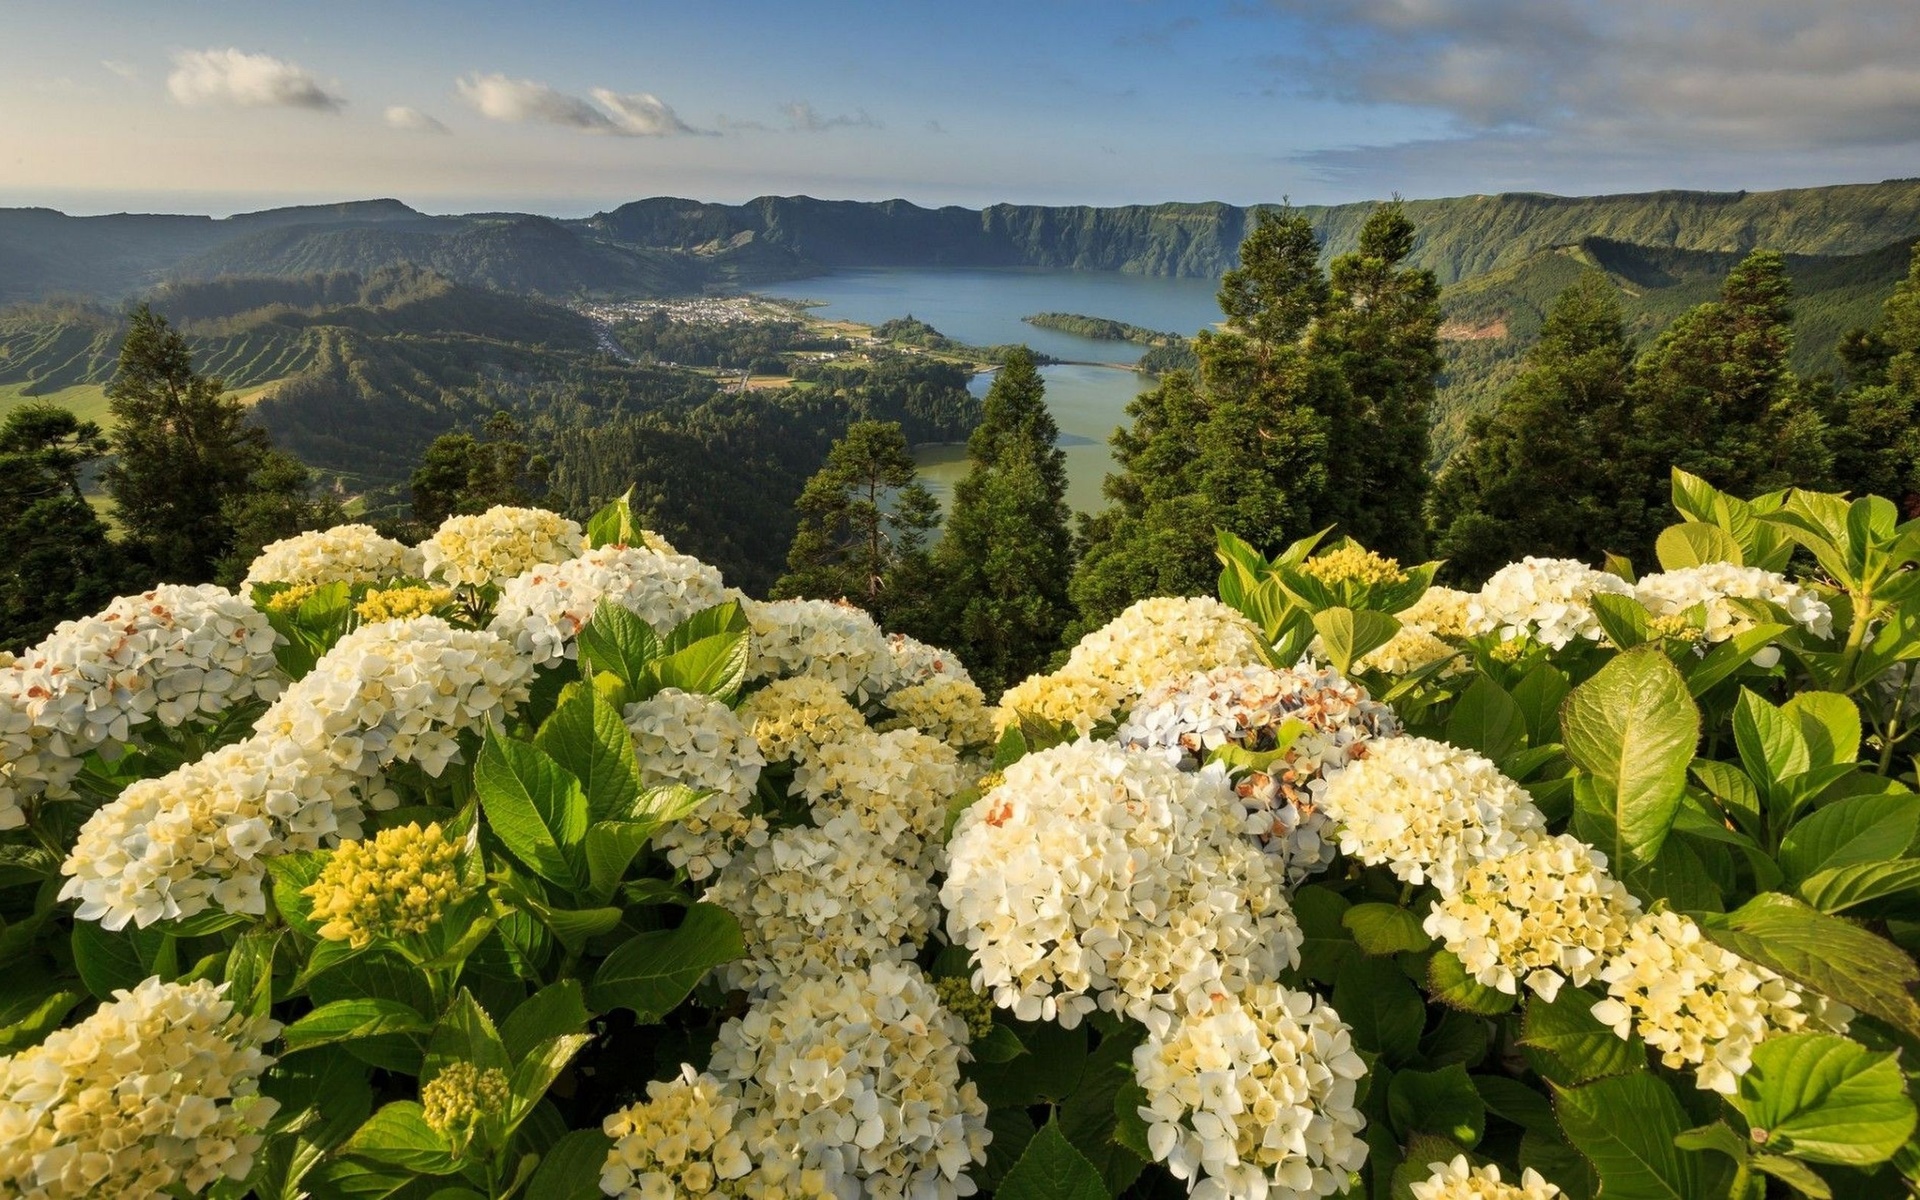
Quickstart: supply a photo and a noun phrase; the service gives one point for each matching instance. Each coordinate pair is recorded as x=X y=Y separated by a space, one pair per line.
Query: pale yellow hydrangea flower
x=498 y=544
x=461 y=1096
x=1459 y=1180
x=1353 y=564
x=792 y=719
x=400 y=883
x=681 y=1141
x=342 y=554
x=397 y=604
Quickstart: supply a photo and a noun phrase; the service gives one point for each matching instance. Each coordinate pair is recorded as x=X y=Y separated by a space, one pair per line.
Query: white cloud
x=235 y=78
x=641 y=114
x=402 y=117
x=124 y=70
x=803 y=118
x=623 y=114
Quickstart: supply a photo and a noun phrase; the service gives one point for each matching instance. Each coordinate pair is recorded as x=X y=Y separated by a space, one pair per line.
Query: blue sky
x=572 y=107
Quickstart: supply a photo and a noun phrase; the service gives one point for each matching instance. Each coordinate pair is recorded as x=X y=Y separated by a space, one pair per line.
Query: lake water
x=984 y=307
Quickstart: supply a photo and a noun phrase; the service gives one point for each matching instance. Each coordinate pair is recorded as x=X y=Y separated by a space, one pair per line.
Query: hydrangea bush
x=537 y=863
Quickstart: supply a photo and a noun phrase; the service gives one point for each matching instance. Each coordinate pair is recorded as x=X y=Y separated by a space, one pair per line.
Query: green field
x=87 y=400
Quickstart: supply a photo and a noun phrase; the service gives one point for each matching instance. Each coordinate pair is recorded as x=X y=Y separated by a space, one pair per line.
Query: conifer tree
x=460 y=473
x=183 y=451
x=1005 y=560
x=864 y=520
x=1874 y=426
x=56 y=559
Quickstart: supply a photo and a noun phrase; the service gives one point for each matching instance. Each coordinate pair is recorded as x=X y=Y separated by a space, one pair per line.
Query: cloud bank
x=623 y=114
x=803 y=118
x=236 y=79
x=412 y=119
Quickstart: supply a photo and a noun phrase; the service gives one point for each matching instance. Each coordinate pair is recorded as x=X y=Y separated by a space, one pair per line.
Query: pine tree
x=460 y=473
x=280 y=501
x=1007 y=555
x=1540 y=474
x=1874 y=426
x=184 y=450
x=56 y=558
x=864 y=520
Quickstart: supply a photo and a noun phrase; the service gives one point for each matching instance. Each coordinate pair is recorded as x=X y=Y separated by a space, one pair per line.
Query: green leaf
x=1825 y=1099
x=618 y=641
x=539 y=1069
x=399 y=1136
x=1625 y=1127
x=587 y=738
x=1634 y=727
x=614 y=524
x=1729 y=656
x=292 y=874
x=1350 y=634
x=249 y=972
x=571 y=1169
x=1829 y=722
x=1385 y=928
x=346 y=1020
x=1442 y=1102
x=465 y=1034
x=714 y=665
x=1796 y=1175
x=554 y=1010
x=1832 y=956
x=1382 y=1008
x=1624 y=619
x=1486 y=718
x=30 y=1027
x=1048 y=1072
x=611 y=847
x=1450 y=984
x=1570 y=1047
x=1846 y=887
x=1730 y=786
x=1771 y=744
x=1694 y=544
x=651 y=973
x=1051 y=1169
x=1089 y=1118
x=1539 y=694
x=108 y=961
x=1509 y=1099
x=535 y=807
x=1860 y=829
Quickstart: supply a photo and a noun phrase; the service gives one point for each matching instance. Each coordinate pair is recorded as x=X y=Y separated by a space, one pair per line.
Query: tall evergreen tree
x=183 y=452
x=460 y=473
x=1540 y=474
x=864 y=520
x=1874 y=426
x=280 y=501
x=1381 y=333
x=56 y=558
x=1007 y=555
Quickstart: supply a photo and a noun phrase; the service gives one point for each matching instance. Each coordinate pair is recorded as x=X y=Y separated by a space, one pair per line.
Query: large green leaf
x=1843 y=888
x=553 y=1011
x=1826 y=1099
x=465 y=1034
x=1487 y=719
x=1634 y=727
x=1770 y=742
x=1829 y=722
x=1090 y=1117
x=1625 y=1126
x=571 y=1169
x=347 y=1020
x=1832 y=956
x=586 y=736
x=707 y=653
x=1381 y=1006
x=1569 y=1046
x=618 y=641
x=1449 y=983
x=1859 y=829
x=1386 y=928
x=1051 y=1169
x=1349 y=634
x=536 y=808
x=109 y=960
x=651 y=973
x=1443 y=1102
x=614 y=525
x=399 y=1136
x=1693 y=544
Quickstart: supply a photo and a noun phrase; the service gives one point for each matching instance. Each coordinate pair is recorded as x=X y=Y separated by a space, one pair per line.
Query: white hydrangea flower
x=896 y=785
x=198 y=838
x=1700 y=1004
x=1671 y=593
x=1186 y=719
x=499 y=544
x=1428 y=810
x=915 y=662
x=1547 y=599
x=400 y=691
x=1459 y=1180
x=169 y=655
x=1544 y=915
x=792 y=719
x=1429 y=627
x=542 y=610
x=696 y=741
x=949 y=707
x=343 y=554
x=682 y=1140
x=1253 y=1095
x=858 y=1076
x=823 y=639
x=1097 y=877
x=1153 y=640
x=819 y=901
x=157 y=1090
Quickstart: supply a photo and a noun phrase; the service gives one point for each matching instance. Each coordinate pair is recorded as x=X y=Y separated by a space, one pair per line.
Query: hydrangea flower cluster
x=1546 y=914
x=343 y=554
x=895 y=785
x=1672 y=593
x=820 y=639
x=200 y=836
x=496 y=545
x=157 y=1090
x=858 y=1077
x=947 y=707
x=1155 y=639
x=1546 y=599
x=1429 y=629
x=698 y=742
x=1353 y=564
x=168 y=655
x=399 y=883
x=1098 y=877
x=1254 y=1095
x=1460 y=1180
x=1428 y=810
x=1700 y=1004
x=400 y=691
x=542 y=610
x=818 y=901
x=791 y=719
x=682 y=1140
x=1187 y=719
x=461 y=1096
x=399 y=603
x=915 y=662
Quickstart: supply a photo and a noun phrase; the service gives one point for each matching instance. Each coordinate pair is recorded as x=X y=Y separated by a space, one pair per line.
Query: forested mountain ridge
x=665 y=246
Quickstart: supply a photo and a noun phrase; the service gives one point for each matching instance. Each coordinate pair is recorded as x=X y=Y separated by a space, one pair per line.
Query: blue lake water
x=984 y=307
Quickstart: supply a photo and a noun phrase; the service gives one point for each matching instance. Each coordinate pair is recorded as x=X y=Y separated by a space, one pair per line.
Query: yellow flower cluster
x=499 y=544
x=158 y=1090
x=975 y=1008
x=397 y=884
x=461 y=1096
x=681 y=1142
x=289 y=600
x=793 y=718
x=951 y=709
x=1353 y=564
x=397 y=604
x=1458 y=1180
x=1545 y=915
